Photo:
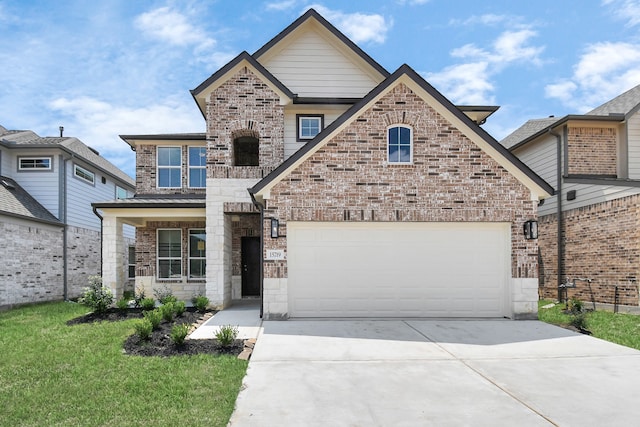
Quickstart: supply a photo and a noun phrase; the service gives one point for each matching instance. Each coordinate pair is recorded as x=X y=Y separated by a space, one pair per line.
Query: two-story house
x=326 y=186
x=590 y=229
x=50 y=236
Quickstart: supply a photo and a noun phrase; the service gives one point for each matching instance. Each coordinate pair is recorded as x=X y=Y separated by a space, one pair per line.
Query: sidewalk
x=243 y=314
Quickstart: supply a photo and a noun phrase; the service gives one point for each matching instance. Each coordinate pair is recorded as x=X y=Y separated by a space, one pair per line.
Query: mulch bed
x=160 y=343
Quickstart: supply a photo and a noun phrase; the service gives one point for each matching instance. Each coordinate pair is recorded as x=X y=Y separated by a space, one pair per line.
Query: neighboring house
x=593 y=161
x=329 y=187
x=50 y=236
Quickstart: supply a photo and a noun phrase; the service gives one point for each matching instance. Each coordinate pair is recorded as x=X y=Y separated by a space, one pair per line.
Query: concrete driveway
x=436 y=372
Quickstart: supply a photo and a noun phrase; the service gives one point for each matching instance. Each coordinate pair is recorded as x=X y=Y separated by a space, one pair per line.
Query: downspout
x=62 y=188
x=560 y=241
x=95 y=211
x=260 y=206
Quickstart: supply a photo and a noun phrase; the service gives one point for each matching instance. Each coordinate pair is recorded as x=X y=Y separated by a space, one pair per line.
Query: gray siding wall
x=42 y=185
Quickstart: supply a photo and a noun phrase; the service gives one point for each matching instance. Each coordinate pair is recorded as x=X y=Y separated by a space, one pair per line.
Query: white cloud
x=413 y=2
x=604 y=71
x=282 y=5
x=98 y=123
x=626 y=10
x=173 y=27
x=488 y=19
x=359 y=27
x=470 y=82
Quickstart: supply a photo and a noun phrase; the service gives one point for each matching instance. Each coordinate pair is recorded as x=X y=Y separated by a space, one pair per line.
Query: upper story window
x=84 y=174
x=169 y=167
x=197 y=167
x=121 y=193
x=246 y=151
x=309 y=126
x=34 y=163
x=400 y=142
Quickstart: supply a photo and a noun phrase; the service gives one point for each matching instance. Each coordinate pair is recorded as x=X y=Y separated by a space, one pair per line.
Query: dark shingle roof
x=527 y=130
x=15 y=201
x=622 y=104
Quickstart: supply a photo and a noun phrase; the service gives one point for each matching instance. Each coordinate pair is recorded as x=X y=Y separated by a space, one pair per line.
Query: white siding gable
x=633 y=141
x=330 y=112
x=311 y=66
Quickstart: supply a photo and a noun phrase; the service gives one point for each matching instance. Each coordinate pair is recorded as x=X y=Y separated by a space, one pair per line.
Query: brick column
x=112 y=255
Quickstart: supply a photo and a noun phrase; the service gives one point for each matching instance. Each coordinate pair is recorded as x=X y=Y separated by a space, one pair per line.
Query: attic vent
x=94 y=150
x=7 y=185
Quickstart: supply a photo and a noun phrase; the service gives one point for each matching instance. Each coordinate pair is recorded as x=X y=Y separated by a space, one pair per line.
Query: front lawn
x=619 y=328
x=57 y=375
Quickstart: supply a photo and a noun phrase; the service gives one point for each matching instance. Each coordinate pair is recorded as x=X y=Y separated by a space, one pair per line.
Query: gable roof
x=312 y=14
x=17 y=202
x=621 y=104
x=407 y=75
x=200 y=93
x=29 y=139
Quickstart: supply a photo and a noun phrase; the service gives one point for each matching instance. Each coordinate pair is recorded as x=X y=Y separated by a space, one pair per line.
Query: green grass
x=57 y=375
x=619 y=328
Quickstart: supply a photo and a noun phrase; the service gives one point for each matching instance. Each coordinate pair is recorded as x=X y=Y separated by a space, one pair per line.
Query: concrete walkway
x=436 y=372
x=244 y=314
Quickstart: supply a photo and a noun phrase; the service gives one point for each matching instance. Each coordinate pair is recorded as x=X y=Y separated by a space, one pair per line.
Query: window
x=197 y=254
x=246 y=151
x=309 y=126
x=399 y=141
x=121 y=193
x=132 y=262
x=34 y=163
x=169 y=167
x=169 y=253
x=197 y=167
x=84 y=174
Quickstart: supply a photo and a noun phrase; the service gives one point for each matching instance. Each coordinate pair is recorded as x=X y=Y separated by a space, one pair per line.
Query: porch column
x=112 y=255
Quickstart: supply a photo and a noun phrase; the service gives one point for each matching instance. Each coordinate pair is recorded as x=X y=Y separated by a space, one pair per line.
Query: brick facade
x=601 y=243
x=450 y=179
x=592 y=151
x=244 y=106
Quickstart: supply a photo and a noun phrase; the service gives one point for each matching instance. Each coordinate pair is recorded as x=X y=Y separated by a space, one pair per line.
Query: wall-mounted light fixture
x=531 y=229
x=275 y=226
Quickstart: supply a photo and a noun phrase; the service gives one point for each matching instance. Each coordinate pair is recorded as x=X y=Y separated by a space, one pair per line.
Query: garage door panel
x=397 y=269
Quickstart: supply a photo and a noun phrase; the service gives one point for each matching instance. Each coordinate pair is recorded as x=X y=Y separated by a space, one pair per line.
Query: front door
x=250 y=259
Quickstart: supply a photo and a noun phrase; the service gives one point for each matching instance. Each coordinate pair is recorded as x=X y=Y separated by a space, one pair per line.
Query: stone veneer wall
x=146 y=257
x=32 y=263
x=601 y=243
x=592 y=151
x=451 y=179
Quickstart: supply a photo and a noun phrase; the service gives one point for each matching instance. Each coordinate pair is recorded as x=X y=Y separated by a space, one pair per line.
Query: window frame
x=399 y=144
x=126 y=193
x=299 y=118
x=77 y=168
x=199 y=167
x=159 y=166
x=131 y=274
x=202 y=258
x=169 y=258
x=34 y=158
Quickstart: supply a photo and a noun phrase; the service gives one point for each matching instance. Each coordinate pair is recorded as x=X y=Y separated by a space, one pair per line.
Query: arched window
x=400 y=144
x=246 y=151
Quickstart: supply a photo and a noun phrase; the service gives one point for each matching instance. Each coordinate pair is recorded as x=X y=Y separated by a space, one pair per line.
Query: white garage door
x=398 y=269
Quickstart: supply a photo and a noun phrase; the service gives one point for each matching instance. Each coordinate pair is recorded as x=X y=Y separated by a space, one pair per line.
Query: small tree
x=96 y=296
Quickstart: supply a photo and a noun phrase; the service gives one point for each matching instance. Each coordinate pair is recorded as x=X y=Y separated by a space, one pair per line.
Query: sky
x=112 y=67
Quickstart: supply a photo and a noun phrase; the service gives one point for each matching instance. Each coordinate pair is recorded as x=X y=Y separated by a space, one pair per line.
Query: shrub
x=579 y=321
x=179 y=307
x=143 y=329
x=200 y=302
x=179 y=333
x=128 y=295
x=147 y=304
x=154 y=317
x=167 y=311
x=140 y=295
x=226 y=335
x=576 y=306
x=123 y=304
x=164 y=295
x=96 y=296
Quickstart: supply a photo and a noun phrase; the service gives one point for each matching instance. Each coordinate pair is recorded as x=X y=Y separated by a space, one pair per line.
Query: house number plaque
x=274 y=254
